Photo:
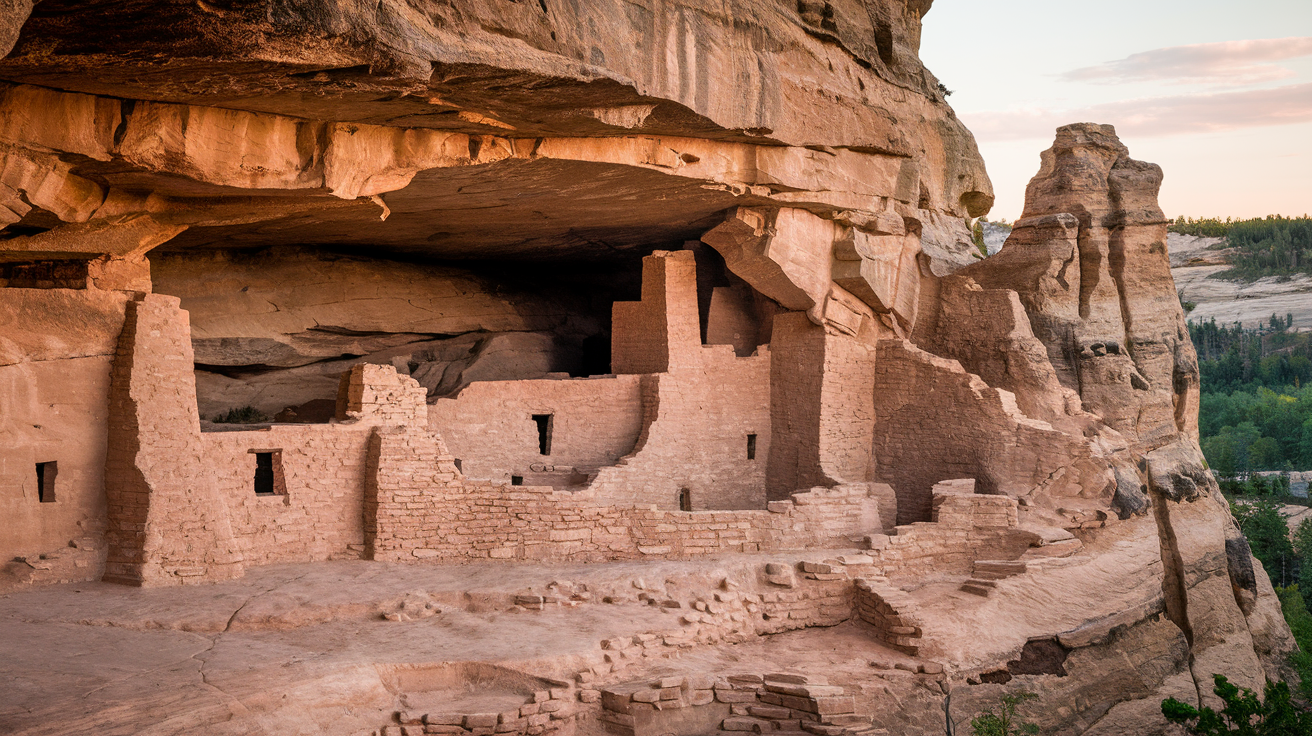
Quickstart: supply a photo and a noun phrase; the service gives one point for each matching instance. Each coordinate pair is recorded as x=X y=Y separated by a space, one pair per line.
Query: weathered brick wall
x=318 y=513
x=323 y=470
x=652 y=335
x=489 y=426
x=167 y=523
x=419 y=507
x=377 y=393
x=697 y=421
x=936 y=421
x=891 y=612
x=965 y=527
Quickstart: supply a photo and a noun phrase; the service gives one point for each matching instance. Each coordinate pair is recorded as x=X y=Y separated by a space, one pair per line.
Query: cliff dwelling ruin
x=579 y=368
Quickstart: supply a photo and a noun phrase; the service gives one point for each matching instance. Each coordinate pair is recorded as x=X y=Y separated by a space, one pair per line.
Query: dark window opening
x=459 y=467
x=45 y=481
x=685 y=499
x=264 y=474
x=516 y=480
x=544 y=432
x=751 y=447
x=595 y=358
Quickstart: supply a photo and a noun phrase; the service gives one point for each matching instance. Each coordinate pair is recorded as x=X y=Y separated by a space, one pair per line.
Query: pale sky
x=1218 y=93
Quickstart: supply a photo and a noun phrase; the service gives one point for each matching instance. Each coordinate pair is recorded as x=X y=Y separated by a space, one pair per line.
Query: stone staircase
x=986 y=574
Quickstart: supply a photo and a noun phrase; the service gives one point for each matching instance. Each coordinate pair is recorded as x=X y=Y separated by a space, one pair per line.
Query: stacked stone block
x=891 y=612
x=781 y=704
x=418 y=506
x=321 y=515
x=546 y=712
x=379 y=395
x=967 y=526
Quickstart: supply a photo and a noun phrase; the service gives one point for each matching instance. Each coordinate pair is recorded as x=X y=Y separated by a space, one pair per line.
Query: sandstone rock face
x=529 y=285
x=1089 y=259
x=275 y=329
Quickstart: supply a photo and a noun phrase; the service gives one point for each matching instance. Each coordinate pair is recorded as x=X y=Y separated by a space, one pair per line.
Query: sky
x=1219 y=94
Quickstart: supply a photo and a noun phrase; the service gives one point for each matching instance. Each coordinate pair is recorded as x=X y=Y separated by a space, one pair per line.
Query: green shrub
x=1243 y=712
x=1003 y=722
x=244 y=415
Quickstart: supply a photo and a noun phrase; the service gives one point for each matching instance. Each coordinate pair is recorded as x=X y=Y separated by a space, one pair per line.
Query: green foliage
x=1266 y=246
x=977 y=235
x=244 y=415
x=1268 y=535
x=1256 y=407
x=1296 y=614
x=1003 y=722
x=1273 y=246
x=1243 y=713
x=1203 y=227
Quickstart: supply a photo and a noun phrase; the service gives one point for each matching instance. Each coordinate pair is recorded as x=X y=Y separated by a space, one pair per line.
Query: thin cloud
x=1227 y=62
x=1156 y=116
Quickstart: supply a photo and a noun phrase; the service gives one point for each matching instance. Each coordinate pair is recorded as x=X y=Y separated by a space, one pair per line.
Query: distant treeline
x=1269 y=246
x=1256 y=408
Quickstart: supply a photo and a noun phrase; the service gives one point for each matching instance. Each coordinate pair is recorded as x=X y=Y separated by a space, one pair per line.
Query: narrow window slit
x=544 y=422
x=268 y=479
x=685 y=499
x=751 y=447
x=45 y=481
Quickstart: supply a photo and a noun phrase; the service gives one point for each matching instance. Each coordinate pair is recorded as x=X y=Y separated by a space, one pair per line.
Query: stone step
x=1064 y=548
x=1000 y=567
x=976 y=590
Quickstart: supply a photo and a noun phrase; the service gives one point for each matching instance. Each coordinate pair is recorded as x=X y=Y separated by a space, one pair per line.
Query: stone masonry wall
x=965 y=527
x=167 y=523
x=319 y=516
x=489 y=425
x=698 y=418
x=377 y=393
x=418 y=506
x=822 y=408
x=653 y=335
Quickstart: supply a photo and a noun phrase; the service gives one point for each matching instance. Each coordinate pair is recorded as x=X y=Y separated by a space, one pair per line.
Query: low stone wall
x=785 y=703
x=546 y=712
x=418 y=506
x=967 y=526
x=891 y=612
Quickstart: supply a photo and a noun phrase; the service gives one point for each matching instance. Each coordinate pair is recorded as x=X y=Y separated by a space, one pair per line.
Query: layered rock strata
x=545 y=284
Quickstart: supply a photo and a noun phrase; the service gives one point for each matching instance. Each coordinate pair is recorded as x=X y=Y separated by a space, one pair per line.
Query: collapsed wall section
x=936 y=422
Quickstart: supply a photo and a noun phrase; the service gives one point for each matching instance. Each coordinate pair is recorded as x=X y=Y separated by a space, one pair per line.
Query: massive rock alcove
x=563 y=316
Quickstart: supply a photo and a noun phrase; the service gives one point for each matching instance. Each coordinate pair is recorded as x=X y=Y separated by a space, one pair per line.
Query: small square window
x=516 y=480
x=45 y=481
